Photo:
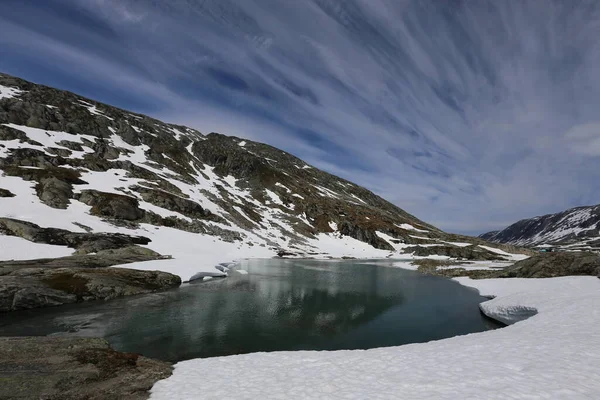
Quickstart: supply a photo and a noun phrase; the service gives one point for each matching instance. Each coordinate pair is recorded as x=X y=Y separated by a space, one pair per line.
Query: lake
x=278 y=305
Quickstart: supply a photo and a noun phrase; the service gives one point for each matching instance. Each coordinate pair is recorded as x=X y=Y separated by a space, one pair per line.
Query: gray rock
x=112 y=205
x=548 y=265
x=83 y=242
x=27 y=288
x=466 y=253
x=54 y=192
x=74 y=368
x=102 y=259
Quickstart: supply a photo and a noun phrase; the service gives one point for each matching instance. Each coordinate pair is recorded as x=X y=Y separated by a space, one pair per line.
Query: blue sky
x=469 y=114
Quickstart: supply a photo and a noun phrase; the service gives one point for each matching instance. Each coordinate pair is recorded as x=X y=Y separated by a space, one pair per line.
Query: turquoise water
x=278 y=305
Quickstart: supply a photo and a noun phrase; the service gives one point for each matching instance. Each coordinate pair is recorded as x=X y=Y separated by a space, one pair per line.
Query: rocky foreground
x=83 y=276
x=59 y=368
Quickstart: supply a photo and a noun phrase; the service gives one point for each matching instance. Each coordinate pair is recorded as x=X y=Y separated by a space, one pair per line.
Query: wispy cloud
x=468 y=114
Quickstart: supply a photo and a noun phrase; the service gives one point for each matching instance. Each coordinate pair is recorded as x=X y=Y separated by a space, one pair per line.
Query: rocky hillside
x=71 y=164
x=576 y=228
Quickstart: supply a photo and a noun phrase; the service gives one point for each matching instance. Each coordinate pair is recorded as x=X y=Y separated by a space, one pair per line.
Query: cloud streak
x=468 y=114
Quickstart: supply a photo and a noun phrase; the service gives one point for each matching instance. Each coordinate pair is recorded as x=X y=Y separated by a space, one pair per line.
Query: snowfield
x=554 y=354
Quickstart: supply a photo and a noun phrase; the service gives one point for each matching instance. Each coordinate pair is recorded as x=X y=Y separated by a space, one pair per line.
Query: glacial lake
x=278 y=305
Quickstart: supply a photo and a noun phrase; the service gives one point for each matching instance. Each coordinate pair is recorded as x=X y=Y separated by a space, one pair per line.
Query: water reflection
x=278 y=305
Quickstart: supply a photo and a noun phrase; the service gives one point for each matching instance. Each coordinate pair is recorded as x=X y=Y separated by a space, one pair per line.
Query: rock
x=112 y=205
x=548 y=265
x=6 y=193
x=54 y=192
x=466 y=253
x=199 y=277
x=74 y=368
x=26 y=288
x=364 y=235
x=173 y=202
x=83 y=242
x=102 y=259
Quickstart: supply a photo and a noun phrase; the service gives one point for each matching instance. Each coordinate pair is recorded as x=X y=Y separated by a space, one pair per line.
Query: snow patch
x=551 y=355
x=9 y=92
x=409 y=227
x=16 y=248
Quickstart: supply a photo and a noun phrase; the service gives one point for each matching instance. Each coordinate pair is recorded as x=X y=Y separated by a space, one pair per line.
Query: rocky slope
x=576 y=228
x=76 y=167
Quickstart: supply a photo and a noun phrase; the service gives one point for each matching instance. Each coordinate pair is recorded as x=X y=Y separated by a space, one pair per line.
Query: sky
x=470 y=115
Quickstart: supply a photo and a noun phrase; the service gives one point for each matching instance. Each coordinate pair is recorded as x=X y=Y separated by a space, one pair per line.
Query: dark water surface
x=279 y=305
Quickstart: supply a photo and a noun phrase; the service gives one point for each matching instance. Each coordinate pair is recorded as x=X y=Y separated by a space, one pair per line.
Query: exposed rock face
x=54 y=192
x=545 y=265
x=72 y=368
x=466 y=253
x=112 y=205
x=576 y=225
x=83 y=242
x=26 y=288
x=556 y=264
x=101 y=259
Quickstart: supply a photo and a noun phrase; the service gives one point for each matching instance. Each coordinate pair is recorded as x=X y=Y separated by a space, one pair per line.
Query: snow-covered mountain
x=72 y=163
x=577 y=227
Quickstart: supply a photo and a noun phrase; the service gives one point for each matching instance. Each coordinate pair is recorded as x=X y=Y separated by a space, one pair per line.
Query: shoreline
x=434 y=369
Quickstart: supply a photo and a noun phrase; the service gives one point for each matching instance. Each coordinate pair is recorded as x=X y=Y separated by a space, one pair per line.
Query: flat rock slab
x=27 y=288
x=53 y=368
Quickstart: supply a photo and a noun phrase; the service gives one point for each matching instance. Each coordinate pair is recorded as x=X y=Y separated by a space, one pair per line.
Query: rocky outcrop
x=73 y=368
x=26 y=288
x=544 y=265
x=54 y=192
x=112 y=205
x=82 y=242
x=6 y=193
x=548 y=265
x=101 y=259
x=464 y=253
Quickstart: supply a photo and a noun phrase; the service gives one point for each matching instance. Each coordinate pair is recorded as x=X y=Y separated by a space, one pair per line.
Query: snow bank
x=552 y=355
x=510 y=256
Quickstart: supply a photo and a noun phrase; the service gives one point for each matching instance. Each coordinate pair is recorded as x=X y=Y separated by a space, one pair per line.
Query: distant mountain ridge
x=576 y=226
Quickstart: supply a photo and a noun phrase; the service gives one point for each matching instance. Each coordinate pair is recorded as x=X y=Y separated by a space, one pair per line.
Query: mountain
x=576 y=228
x=73 y=169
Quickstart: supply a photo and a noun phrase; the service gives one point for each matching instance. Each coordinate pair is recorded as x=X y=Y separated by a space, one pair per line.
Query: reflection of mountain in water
x=279 y=305
x=332 y=313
